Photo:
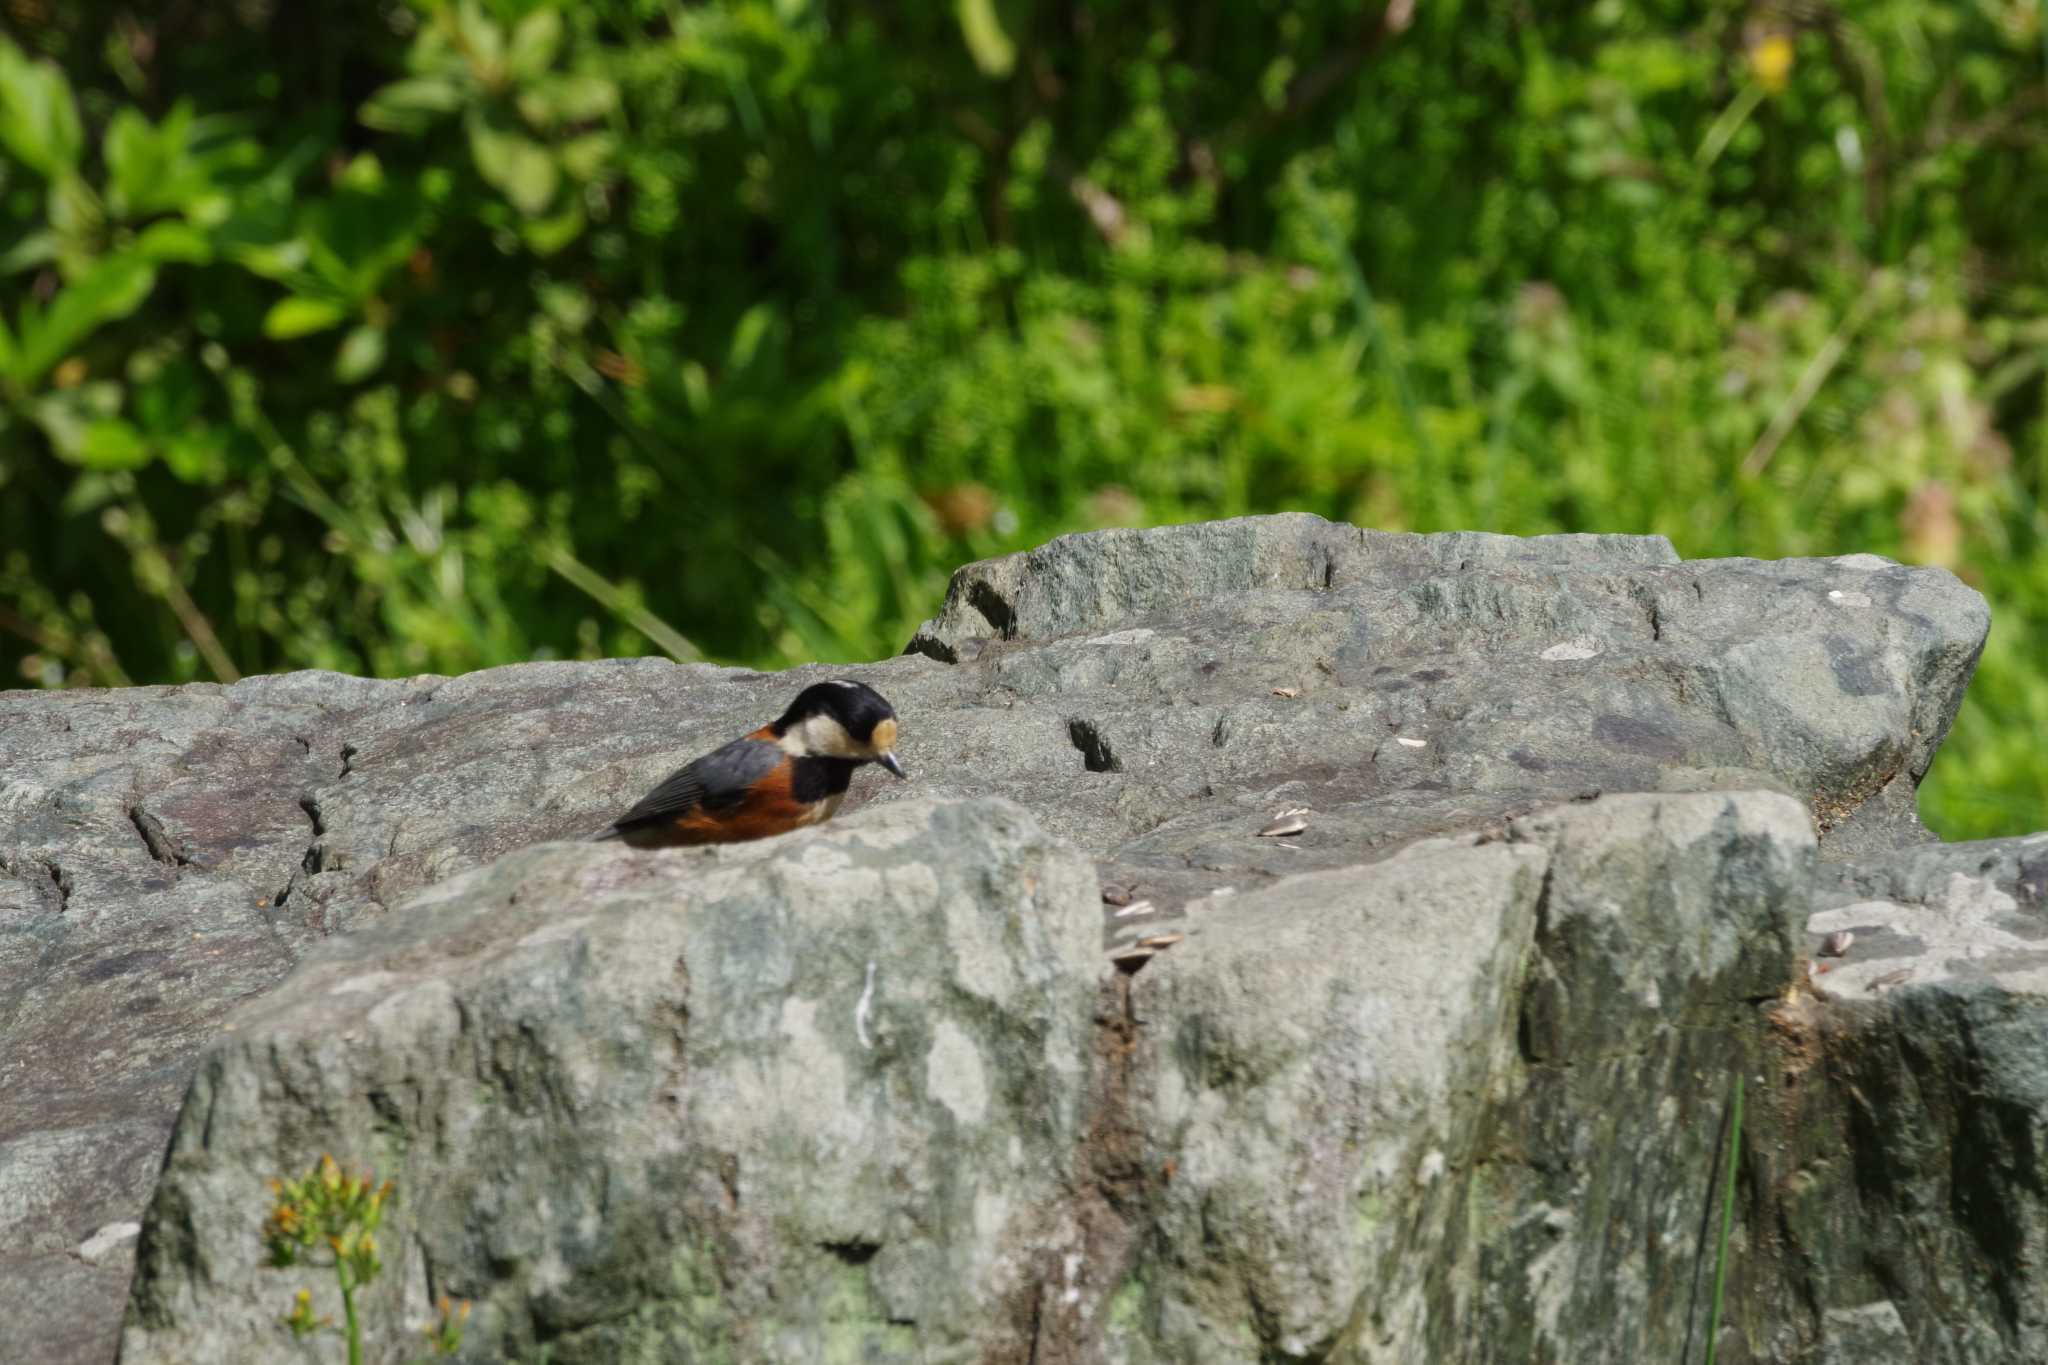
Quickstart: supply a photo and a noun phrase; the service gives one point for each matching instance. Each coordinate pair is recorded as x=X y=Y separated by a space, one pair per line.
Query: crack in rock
x=165 y=847
x=45 y=878
x=315 y=856
x=1096 y=755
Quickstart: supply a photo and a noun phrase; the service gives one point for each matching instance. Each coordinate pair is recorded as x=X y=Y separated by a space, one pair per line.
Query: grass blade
x=1727 y=1222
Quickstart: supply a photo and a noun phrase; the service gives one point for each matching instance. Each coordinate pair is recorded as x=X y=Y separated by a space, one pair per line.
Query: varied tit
x=785 y=775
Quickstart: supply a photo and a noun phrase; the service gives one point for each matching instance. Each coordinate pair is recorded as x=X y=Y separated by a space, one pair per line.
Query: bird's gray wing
x=720 y=778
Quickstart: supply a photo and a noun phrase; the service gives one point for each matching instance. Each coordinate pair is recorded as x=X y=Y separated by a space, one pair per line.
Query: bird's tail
x=608 y=832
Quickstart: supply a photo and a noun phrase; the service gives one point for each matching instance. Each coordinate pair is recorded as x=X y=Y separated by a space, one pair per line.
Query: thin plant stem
x=1810 y=379
x=1727 y=1222
x=86 y=649
x=348 y=1311
x=1728 y=124
x=1377 y=344
x=608 y=595
x=191 y=619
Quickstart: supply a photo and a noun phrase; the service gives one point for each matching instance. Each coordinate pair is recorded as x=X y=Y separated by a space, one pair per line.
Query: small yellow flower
x=1770 y=61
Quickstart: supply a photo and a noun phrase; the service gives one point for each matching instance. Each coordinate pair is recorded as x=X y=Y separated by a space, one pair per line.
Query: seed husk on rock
x=1285 y=822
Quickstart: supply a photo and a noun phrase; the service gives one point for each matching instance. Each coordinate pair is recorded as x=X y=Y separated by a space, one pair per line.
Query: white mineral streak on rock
x=365 y=984
x=860 y=1011
x=106 y=1239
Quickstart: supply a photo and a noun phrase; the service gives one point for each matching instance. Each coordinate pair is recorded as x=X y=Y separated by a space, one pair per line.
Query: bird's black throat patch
x=812 y=779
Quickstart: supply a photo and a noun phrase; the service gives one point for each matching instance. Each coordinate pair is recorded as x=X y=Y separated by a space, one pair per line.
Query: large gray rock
x=1311 y=1065
x=168 y=856
x=1462 y=1105
x=1666 y=921
x=785 y=1101
x=1914 y=1177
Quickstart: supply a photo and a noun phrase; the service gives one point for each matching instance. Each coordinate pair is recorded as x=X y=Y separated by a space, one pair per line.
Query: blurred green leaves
x=38 y=117
x=151 y=168
x=526 y=122
x=40 y=336
x=513 y=162
x=982 y=29
x=297 y=315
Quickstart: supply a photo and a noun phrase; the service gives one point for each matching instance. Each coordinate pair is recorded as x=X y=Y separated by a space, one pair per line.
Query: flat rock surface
x=1153 y=697
x=1953 y=915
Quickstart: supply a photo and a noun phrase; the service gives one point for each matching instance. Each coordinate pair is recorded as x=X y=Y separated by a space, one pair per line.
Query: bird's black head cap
x=858 y=708
x=842 y=720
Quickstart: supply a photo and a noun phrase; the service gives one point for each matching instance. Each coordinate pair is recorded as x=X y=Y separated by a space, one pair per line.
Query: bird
x=790 y=773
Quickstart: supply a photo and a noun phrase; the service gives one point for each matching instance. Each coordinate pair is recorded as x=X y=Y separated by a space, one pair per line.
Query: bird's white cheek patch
x=821 y=735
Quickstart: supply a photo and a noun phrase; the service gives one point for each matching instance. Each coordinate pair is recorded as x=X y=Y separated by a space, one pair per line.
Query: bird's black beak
x=888 y=761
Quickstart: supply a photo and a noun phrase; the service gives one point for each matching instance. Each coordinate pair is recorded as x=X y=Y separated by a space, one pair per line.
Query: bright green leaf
x=299 y=316
x=411 y=106
x=209 y=210
x=68 y=414
x=91 y=491
x=362 y=351
x=550 y=234
x=481 y=38
x=170 y=240
x=515 y=164
x=534 y=43
x=113 y=444
x=570 y=98
x=32 y=250
x=198 y=456
x=990 y=47
x=132 y=155
x=364 y=174
x=38 y=116
x=151 y=168
x=1652 y=66
x=113 y=288
x=75 y=211
x=587 y=157
x=747 y=336
x=568 y=304
x=279 y=261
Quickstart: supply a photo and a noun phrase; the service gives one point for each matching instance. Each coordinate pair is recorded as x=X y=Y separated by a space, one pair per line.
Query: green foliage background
x=395 y=337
